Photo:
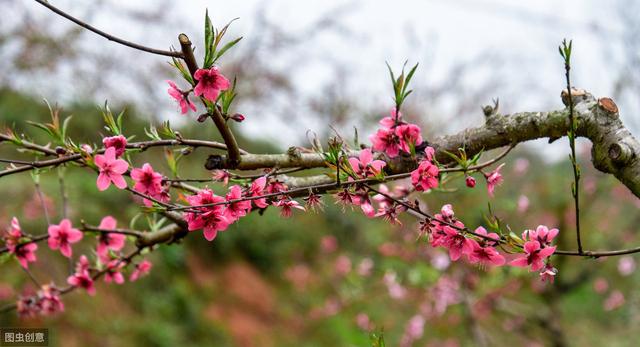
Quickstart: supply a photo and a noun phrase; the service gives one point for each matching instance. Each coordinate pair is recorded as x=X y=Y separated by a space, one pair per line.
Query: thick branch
x=615 y=150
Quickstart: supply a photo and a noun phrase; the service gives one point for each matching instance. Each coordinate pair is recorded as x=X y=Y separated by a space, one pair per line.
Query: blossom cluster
x=61 y=237
x=479 y=246
x=396 y=136
x=213 y=213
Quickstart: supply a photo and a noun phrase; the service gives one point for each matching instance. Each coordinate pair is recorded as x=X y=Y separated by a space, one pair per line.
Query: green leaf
x=208 y=41
x=409 y=76
x=65 y=124
x=226 y=48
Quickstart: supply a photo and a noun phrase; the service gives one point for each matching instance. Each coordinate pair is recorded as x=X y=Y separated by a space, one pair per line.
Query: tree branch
x=106 y=35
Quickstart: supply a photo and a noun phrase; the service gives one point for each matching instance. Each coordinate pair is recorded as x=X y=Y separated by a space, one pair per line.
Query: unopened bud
x=86 y=148
x=60 y=150
x=203 y=117
x=471 y=182
x=237 y=117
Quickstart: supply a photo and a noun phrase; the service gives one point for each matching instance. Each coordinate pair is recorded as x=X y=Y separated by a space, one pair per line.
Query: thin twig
x=109 y=36
x=42 y=203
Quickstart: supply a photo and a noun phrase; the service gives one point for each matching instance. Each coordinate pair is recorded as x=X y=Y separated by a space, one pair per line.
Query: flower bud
x=471 y=182
x=237 y=117
x=86 y=148
x=60 y=150
x=203 y=117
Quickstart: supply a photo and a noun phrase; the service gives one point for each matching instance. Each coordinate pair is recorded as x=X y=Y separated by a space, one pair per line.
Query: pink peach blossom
x=148 y=182
x=425 y=176
x=108 y=241
x=286 y=207
x=141 y=269
x=534 y=256
x=494 y=179
x=257 y=189
x=82 y=278
x=237 y=209
x=409 y=135
x=485 y=256
x=111 y=170
x=210 y=219
x=386 y=140
x=210 y=83
x=365 y=166
x=62 y=236
x=181 y=97
x=118 y=142
x=113 y=272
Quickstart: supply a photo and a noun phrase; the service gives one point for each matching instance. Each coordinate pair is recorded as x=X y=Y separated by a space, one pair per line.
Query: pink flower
x=485 y=256
x=614 y=301
x=257 y=189
x=50 y=301
x=148 y=182
x=386 y=140
x=181 y=97
x=275 y=186
x=62 y=236
x=626 y=265
x=548 y=273
x=286 y=207
x=542 y=234
x=361 y=198
x=221 y=176
x=111 y=170
x=365 y=166
x=26 y=254
x=425 y=176
x=108 y=241
x=211 y=218
x=390 y=213
x=13 y=235
x=342 y=265
x=82 y=278
x=237 y=209
x=113 y=273
x=457 y=243
x=141 y=269
x=488 y=237
x=210 y=83
x=345 y=198
x=409 y=135
x=523 y=203
x=494 y=178
x=534 y=256
x=313 y=202
x=118 y=142
x=470 y=181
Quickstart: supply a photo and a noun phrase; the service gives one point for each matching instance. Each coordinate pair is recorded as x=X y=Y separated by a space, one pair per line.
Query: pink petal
x=366 y=156
x=531 y=246
x=520 y=262
x=103 y=182
x=547 y=252
x=210 y=233
x=119 y=181
x=108 y=222
x=65 y=249
x=119 y=166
